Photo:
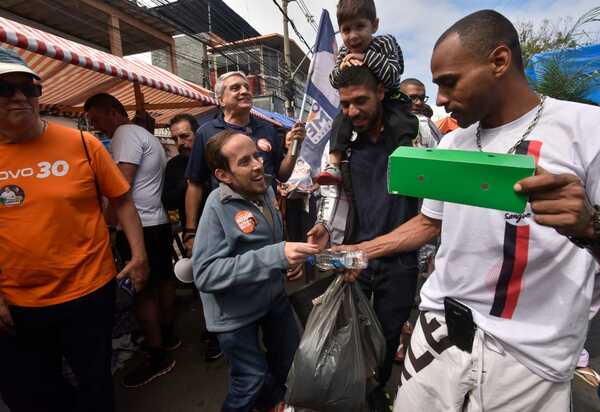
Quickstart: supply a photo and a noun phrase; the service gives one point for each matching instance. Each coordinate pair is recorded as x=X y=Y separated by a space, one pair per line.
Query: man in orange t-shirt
x=57 y=272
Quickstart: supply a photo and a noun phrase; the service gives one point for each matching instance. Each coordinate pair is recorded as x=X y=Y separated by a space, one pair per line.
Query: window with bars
x=272 y=85
x=271 y=62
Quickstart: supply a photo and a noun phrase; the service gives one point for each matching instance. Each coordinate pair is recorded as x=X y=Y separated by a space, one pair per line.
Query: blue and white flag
x=326 y=100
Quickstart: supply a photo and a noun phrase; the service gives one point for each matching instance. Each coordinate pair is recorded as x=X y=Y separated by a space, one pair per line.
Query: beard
x=184 y=151
x=371 y=121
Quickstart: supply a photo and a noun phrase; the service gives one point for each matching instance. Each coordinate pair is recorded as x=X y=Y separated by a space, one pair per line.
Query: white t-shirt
x=429 y=135
x=134 y=144
x=527 y=285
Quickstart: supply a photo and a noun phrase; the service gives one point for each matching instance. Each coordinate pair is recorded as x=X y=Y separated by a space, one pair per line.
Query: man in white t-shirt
x=521 y=277
x=142 y=160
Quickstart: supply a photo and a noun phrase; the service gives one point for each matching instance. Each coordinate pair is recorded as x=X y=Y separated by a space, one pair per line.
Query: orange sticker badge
x=264 y=145
x=245 y=221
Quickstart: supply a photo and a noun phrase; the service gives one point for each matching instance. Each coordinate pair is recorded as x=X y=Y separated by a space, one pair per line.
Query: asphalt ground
x=195 y=385
x=198 y=386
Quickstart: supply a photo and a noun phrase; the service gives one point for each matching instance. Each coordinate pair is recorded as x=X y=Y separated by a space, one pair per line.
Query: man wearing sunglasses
x=57 y=272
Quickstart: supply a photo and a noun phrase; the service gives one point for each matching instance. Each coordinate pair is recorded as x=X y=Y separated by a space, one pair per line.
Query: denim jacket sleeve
x=218 y=266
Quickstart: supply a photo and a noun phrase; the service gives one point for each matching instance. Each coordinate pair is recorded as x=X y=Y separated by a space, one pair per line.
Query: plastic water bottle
x=329 y=260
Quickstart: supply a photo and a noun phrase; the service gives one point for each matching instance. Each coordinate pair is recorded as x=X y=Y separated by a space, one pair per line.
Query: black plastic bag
x=335 y=366
x=302 y=298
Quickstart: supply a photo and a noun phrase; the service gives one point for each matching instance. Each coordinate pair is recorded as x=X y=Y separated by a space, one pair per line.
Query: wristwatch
x=593 y=243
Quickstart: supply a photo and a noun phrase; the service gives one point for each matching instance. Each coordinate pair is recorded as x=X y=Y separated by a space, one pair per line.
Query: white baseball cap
x=11 y=62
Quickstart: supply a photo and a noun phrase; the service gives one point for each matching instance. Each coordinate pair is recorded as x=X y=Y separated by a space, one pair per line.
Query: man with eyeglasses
x=415 y=90
x=57 y=273
x=429 y=135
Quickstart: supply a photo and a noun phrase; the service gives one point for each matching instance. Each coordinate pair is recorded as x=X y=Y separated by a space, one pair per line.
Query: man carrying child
x=357 y=20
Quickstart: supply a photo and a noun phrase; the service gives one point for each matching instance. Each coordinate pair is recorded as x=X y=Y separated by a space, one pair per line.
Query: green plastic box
x=458 y=176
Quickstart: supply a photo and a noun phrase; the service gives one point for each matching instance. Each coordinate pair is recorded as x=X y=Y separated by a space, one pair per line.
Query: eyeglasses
x=28 y=89
x=416 y=97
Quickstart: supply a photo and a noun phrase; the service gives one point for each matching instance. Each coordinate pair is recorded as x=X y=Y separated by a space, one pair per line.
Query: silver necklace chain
x=530 y=128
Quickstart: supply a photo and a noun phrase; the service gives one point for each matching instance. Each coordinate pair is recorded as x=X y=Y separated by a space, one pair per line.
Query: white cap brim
x=6 y=68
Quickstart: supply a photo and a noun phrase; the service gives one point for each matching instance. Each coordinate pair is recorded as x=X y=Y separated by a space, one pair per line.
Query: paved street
x=196 y=386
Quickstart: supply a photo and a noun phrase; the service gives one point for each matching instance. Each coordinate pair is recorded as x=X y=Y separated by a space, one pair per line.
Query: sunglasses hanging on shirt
x=28 y=89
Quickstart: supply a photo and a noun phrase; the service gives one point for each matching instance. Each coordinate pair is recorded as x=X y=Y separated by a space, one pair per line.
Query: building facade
x=262 y=59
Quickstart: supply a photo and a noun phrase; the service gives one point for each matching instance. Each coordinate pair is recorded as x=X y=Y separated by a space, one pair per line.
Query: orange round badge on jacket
x=245 y=221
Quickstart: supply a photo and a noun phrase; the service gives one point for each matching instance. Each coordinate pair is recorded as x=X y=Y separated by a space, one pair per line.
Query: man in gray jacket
x=239 y=261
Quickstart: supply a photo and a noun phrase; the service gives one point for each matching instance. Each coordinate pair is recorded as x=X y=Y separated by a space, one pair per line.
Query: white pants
x=438 y=376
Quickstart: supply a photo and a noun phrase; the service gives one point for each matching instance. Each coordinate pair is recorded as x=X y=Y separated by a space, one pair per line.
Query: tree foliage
x=547 y=36
x=556 y=80
x=562 y=34
x=565 y=85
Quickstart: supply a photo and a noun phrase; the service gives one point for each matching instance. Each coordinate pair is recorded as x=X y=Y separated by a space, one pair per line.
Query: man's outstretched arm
x=411 y=235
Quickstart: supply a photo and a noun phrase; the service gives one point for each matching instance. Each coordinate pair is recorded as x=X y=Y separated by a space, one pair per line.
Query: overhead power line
x=310 y=18
x=197 y=13
x=293 y=26
x=126 y=40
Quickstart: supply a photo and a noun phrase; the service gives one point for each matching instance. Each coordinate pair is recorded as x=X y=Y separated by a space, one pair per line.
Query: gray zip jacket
x=238 y=259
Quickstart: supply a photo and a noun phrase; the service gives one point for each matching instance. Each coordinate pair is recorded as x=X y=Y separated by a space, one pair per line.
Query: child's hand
x=352 y=59
x=345 y=63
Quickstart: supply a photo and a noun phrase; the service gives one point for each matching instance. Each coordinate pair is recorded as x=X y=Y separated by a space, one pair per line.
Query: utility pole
x=205 y=67
x=288 y=87
x=209 y=16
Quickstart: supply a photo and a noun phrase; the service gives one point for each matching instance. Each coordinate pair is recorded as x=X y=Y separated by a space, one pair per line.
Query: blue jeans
x=257 y=378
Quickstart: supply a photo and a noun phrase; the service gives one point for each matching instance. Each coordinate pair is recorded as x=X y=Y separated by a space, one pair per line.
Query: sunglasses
x=28 y=89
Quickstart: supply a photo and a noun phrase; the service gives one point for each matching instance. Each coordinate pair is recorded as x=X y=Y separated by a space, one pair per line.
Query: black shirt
x=175 y=185
x=377 y=211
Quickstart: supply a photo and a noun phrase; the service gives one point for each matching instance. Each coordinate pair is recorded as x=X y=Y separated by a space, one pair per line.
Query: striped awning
x=72 y=72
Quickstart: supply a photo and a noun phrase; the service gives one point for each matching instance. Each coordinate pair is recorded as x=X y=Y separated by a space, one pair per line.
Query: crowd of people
x=502 y=317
